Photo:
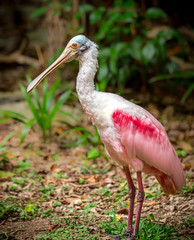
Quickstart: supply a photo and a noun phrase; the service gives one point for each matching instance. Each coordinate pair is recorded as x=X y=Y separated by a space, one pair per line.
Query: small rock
x=78 y=202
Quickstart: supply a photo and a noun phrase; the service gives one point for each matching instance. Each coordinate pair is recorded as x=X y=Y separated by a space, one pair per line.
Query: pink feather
x=149 y=149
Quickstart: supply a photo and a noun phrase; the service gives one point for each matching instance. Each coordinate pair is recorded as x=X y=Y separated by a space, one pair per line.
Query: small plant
x=81 y=136
x=129 y=50
x=46 y=214
x=155 y=192
x=3 y=153
x=148 y=229
x=43 y=110
x=11 y=206
x=71 y=228
x=181 y=153
x=188 y=189
x=23 y=166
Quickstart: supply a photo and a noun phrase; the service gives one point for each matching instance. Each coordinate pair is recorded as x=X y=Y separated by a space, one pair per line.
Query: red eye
x=74 y=45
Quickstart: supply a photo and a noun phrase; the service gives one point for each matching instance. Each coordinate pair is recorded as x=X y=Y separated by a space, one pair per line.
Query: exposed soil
x=69 y=161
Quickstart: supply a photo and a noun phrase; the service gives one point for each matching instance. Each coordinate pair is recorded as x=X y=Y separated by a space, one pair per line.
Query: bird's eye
x=74 y=45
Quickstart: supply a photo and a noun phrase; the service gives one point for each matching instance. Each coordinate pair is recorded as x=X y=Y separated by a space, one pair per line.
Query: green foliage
x=3 y=153
x=81 y=136
x=70 y=229
x=154 y=12
x=148 y=229
x=93 y=153
x=188 y=189
x=181 y=153
x=43 y=110
x=11 y=205
x=129 y=55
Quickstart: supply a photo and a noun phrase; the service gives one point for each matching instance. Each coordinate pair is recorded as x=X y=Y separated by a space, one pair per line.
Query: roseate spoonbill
x=131 y=135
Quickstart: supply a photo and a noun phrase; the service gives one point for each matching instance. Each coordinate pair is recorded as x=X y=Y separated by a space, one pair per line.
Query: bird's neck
x=88 y=65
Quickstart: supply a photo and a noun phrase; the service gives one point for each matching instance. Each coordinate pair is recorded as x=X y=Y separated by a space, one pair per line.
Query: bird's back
x=132 y=136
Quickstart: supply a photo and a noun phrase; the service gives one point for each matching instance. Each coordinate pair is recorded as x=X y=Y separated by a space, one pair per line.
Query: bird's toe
x=126 y=235
x=115 y=236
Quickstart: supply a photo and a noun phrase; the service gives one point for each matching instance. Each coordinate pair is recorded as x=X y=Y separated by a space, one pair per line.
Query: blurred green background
x=144 y=46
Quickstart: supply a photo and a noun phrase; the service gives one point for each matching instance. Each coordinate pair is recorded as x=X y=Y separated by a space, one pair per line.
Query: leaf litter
x=55 y=187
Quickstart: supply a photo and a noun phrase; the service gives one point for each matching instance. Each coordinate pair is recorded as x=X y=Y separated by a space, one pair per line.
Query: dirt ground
x=78 y=186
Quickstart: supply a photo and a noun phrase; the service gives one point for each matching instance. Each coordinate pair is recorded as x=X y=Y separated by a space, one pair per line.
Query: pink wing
x=146 y=141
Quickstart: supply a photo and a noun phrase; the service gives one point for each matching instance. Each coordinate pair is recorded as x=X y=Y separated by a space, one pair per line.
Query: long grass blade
x=60 y=101
x=32 y=106
x=184 y=74
x=13 y=115
x=51 y=95
x=187 y=93
x=26 y=130
x=44 y=100
x=68 y=115
x=10 y=135
x=34 y=93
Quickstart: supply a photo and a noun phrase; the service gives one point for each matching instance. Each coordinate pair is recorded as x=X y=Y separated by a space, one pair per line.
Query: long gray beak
x=66 y=56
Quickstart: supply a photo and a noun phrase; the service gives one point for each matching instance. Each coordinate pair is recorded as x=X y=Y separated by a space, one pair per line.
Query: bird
x=132 y=136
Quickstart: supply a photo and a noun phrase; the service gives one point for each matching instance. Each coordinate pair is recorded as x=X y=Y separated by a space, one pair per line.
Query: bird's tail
x=167 y=184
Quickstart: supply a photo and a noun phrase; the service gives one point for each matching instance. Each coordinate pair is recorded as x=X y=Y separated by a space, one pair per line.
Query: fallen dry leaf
x=153 y=203
x=123 y=211
x=185 y=146
x=187 y=166
x=54 y=168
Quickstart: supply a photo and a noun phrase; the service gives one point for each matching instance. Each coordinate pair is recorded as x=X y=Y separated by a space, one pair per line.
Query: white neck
x=88 y=65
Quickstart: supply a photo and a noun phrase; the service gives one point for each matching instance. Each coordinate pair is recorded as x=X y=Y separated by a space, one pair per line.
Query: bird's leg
x=131 y=204
x=140 y=199
x=132 y=189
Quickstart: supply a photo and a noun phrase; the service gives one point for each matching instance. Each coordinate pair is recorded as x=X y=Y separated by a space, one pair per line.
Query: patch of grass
x=46 y=214
x=155 y=192
x=83 y=137
x=71 y=228
x=47 y=189
x=148 y=229
x=4 y=160
x=6 y=235
x=10 y=206
x=43 y=109
x=23 y=166
x=188 y=189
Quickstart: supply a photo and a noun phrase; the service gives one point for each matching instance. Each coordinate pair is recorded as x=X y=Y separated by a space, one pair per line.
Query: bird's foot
x=126 y=235
x=133 y=237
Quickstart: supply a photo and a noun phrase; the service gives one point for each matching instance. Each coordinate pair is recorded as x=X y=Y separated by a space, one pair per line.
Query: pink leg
x=131 y=197
x=140 y=199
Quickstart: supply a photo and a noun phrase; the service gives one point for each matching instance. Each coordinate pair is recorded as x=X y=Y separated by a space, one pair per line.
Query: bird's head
x=75 y=47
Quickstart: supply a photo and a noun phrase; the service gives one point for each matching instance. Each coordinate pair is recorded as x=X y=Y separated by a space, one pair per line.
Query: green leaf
x=10 y=135
x=155 y=12
x=60 y=101
x=181 y=153
x=32 y=106
x=44 y=100
x=84 y=8
x=34 y=93
x=187 y=93
x=68 y=114
x=26 y=130
x=93 y=153
x=148 y=52
x=51 y=95
x=97 y=15
x=183 y=74
x=7 y=114
x=38 y=12
x=103 y=71
x=134 y=48
x=6 y=174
